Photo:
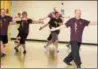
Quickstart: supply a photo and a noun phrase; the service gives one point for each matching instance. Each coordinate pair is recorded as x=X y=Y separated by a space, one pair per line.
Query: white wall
x=38 y=9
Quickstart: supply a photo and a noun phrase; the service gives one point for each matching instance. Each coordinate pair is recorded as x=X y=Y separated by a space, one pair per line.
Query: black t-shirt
x=55 y=22
x=24 y=25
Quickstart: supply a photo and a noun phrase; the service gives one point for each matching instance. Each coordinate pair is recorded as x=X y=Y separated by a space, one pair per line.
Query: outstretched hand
x=40 y=28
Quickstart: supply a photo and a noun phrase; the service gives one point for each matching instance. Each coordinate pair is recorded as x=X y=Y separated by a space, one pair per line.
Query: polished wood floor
x=37 y=58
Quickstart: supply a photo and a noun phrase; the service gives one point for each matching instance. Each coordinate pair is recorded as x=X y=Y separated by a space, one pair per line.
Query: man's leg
x=16 y=48
x=75 y=53
x=23 y=40
x=17 y=38
x=56 y=45
x=3 y=44
x=2 y=50
x=68 y=59
x=24 y=47
x=49 y=42
x=55 y=39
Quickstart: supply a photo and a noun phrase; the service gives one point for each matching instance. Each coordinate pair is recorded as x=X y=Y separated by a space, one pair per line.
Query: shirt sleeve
x=30 y=21
x=86 y=22
x=61 y=21
x=10 y=19
x=68 y=23
x=18 y=22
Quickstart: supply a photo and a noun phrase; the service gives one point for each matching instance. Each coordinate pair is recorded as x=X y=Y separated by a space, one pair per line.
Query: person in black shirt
x=53 y=37
x=24 y=30
x=18 y=35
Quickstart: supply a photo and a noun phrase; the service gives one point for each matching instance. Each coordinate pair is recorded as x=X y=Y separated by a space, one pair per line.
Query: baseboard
x=66 y=42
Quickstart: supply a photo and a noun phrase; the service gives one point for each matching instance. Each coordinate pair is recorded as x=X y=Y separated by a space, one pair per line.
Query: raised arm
x=67 y=24
x=58 y=28
x=43 y=26
x=43 y=18
x=93 y=23
x=89 y=22
x=38 y=22
x=14 y=20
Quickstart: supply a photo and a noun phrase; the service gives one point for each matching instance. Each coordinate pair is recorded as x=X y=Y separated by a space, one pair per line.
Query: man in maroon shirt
x=77 y=25
x=4 y=22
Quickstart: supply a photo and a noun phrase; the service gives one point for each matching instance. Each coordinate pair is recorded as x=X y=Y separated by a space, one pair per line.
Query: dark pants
x=4 y=39
x=23 y=37
x=74 y=55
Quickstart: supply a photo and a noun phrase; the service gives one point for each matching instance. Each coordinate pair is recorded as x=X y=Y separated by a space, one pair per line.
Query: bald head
x=2 y=12
x=77 y=13
x=55 y=9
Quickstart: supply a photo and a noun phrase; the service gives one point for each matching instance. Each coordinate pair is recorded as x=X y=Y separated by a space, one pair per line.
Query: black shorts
x=53 y=35
x=4 y=39
x=23 y=37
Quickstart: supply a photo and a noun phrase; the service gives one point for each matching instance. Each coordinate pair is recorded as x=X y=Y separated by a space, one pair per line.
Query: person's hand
x=41 y=21
x=40 y=28
x=53 y=29
x=24 y=18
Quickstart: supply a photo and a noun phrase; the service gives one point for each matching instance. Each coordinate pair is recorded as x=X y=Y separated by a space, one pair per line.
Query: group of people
x=76 y=24
x=23 y=29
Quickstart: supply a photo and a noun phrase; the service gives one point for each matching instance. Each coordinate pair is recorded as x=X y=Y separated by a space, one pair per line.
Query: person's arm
x=58 y=28
x=43 y=18
x=86 y=22
x=93 y=23
x=66 y=17
x=49 y=16
x=67 y=24
x=43 y=26
x=37 y=22
x=14 y=21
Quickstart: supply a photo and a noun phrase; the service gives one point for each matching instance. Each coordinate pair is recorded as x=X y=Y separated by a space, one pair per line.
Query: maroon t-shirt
x=4 y=23
x=76 y=28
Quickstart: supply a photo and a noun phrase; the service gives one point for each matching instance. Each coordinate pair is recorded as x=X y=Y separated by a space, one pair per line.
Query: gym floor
x=36 y=56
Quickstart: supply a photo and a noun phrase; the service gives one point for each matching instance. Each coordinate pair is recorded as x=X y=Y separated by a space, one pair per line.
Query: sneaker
x=78 y=66
x=16 y=49
x=68 y=46
x=24 y=52
x=3 y=55
x=68 y=63
x=46 y=49
x=57 y=51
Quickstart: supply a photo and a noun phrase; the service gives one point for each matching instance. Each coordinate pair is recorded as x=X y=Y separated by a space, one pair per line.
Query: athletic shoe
x=3 y=55
x=46 y=49
x=68 y=63
x=78 y=66
x=16 y=49
x=57 y=51
x=24 y=52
